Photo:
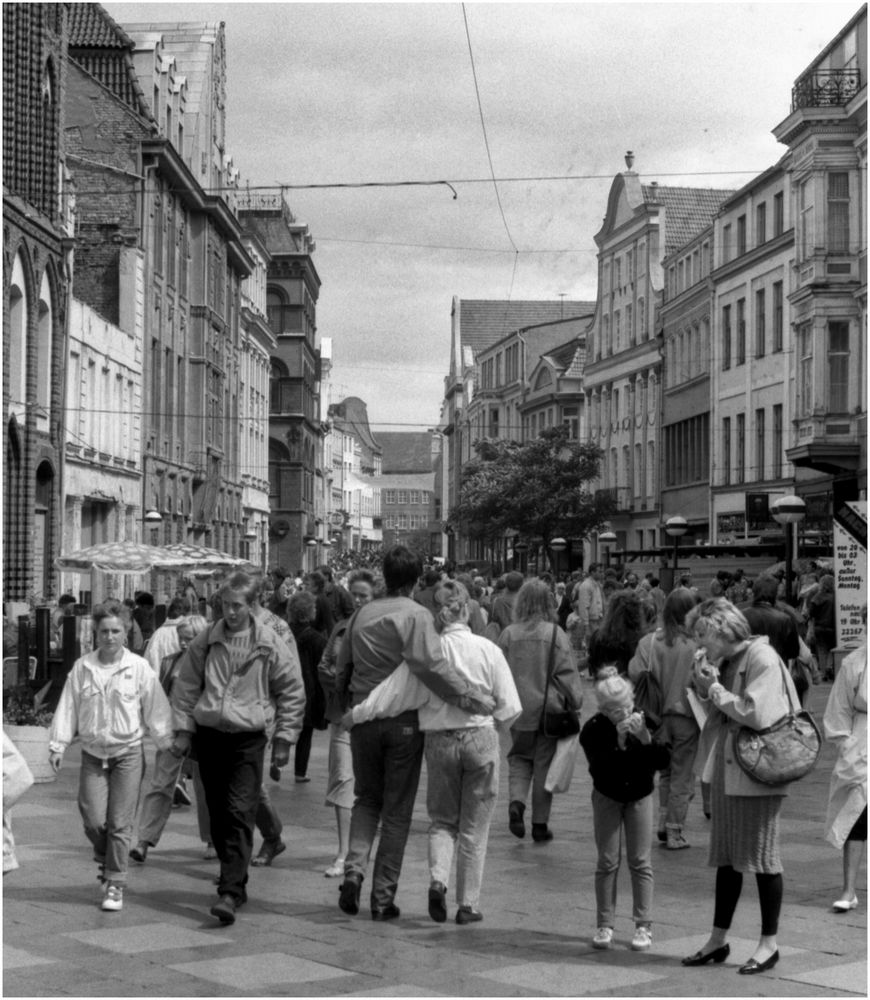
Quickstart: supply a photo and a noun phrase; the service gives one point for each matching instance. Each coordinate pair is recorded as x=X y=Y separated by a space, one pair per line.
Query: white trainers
x=113 y=897
x=335 y=869
x=642 y=938
x=844 y=905
x=603 y=938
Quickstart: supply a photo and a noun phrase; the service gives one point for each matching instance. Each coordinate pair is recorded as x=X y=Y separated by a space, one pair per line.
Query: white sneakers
x=642 y=938
x=640 y=942
x=603 y=938
x=844 y=905
x=113 y=897
x=335 y=869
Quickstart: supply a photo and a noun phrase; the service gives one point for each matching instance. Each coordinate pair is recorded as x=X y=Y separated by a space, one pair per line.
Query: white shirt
x=476 y=658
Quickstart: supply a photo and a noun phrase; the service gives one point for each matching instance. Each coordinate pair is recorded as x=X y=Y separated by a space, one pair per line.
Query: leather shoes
x=389 y=912
x=541 y=833
x=139 y=853
x=348 y=894
x=438 y=902
x=752 y=967
x=269 y=850
x=717 y=955
x=468 y=915
x=516 y=824
x=225 y=909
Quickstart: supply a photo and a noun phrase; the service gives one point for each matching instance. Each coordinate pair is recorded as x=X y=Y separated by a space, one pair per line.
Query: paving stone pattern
x=291 y=939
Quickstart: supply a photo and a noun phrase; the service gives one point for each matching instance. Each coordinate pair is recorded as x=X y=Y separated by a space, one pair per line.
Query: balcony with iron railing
x=826 y=88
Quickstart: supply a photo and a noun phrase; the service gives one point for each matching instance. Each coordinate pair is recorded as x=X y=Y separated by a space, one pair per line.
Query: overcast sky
x=337 y=93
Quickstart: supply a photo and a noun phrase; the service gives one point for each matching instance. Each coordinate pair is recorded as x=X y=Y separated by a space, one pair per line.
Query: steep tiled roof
x=91 y=27
x=405 y=451
x=563 y=355
x=484 y=321
x=687 y=211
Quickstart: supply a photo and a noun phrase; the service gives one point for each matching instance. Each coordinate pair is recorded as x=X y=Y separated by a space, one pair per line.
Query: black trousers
x=231 y=768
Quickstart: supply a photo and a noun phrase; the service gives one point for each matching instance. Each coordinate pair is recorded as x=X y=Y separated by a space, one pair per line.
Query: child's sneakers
x=113 y=897
x=642 y=938
x=603 y=938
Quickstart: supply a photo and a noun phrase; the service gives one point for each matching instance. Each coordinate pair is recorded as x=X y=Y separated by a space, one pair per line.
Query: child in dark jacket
x=623 y=760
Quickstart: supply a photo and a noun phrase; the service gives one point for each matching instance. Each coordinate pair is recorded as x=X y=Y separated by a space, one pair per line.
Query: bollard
x=23 y=649
x=43 y=641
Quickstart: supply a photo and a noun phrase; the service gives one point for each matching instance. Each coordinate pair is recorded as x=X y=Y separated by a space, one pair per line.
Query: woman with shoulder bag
x=548 y=683
x=746 y=684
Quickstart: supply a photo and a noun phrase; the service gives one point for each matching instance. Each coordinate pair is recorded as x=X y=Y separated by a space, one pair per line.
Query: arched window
x=40 y=546
x=43 y=356
x=17 y=334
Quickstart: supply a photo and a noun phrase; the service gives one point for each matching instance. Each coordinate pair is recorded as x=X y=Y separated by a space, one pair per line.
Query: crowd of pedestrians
x=406 y=665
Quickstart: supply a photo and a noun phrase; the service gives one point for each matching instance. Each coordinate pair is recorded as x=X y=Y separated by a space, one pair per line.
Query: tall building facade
x=295 y=426
x=826 y=136
x=642 y=225
x=356 y=478
x=37 y=227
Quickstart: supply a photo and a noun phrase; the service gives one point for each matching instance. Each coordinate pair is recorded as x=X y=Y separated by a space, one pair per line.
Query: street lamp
x=607 y=538
x=788 y=511
x=521 y=547
x=676 y=527
x=557 y=545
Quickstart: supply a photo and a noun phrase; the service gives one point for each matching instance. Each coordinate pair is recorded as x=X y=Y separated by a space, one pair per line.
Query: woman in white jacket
x=110 y=698
x=846 y=725
x=462 y=752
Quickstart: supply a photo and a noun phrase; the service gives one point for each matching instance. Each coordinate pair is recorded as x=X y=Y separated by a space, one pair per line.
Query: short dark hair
x=431 y=577
x=279 y=572
x=402 y=568
x=108 y=609
x=326 y=571
x=178 y=607
x=65 y=599
x=144 y=599
x=593 y=567
x=764 y=588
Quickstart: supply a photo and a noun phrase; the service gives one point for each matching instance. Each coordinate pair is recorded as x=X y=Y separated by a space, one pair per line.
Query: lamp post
x=557 y=545
x=607 y=538
x=788 y=511
x=520 y=548
x=676 y=527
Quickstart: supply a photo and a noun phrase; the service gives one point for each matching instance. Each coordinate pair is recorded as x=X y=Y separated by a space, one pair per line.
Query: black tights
x=728 y=885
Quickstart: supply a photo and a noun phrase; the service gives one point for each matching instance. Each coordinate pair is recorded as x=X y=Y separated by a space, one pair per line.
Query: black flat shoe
x=348 y=894
x=516 y=824
x=717 y=955
x=541 y=833
x=438 y=902
x=389 y=912
x=752 y=967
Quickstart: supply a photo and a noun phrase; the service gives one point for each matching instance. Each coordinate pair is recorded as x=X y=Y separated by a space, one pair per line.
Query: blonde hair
x=452 y=600
x=192 y=623
x=612 y=687
x=719 y=616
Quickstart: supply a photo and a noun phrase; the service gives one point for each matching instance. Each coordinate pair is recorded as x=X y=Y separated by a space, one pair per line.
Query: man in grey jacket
x=222 y=701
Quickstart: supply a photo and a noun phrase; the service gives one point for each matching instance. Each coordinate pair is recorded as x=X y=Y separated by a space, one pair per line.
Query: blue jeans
x=677 y=783
x=108 y=796
x=462 y=769
x=157 y=804
x=387 y=757
x=609 y=819
x=231 y=769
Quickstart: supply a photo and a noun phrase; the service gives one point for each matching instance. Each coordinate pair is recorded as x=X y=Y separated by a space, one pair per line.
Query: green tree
x=538 y=488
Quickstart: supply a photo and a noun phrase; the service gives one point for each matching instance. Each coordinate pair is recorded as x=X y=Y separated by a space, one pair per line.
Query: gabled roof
x=91 y=27
x=485 y=321
x=687 y=210
x=405 y=451
x=562 y=356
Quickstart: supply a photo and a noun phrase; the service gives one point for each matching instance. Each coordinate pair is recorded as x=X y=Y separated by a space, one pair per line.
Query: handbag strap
x=792 y=711
x=551 y=665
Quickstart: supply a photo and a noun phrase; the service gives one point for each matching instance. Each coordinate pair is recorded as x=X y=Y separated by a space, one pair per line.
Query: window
x=726 y=337
x=838 y=367
x=617 y=331
x=498 y=369
x=629 y=326
x=759 y=323
x=726 y=243
x=778 y=214
x=838 y=213
x=401 y=497
x=741 y=331
x=761 y=224
x=777 y=316
x=740 y=458
x=759 y=444
x=805 y=203
x=389 y=496
x=629 y=265
x=777 y=441
x=805 y=370
x=614 y=406
x=402 y=521
x=618 y=263
x=493 y=423
x=726 y=450
x=741 y=235
x=571 y=419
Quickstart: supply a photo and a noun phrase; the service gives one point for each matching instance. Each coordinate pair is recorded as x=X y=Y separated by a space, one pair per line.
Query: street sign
x=850 y=570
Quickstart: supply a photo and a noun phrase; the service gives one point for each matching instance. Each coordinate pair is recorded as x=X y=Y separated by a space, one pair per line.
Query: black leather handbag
x=557 y=725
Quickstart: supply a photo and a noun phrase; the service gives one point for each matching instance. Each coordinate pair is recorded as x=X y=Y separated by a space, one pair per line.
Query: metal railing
x=825 y=88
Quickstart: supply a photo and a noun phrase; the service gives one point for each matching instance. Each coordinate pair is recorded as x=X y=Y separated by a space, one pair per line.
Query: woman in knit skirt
x=746 y=684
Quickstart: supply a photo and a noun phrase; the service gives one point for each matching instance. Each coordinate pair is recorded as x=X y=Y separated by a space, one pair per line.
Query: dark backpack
x=648 y=698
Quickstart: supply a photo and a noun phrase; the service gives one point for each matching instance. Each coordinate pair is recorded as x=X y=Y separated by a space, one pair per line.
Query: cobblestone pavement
x=292 y=940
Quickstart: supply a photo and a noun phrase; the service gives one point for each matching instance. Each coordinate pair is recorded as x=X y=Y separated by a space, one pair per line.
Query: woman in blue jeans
x=462 y=752
x=110 y=699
